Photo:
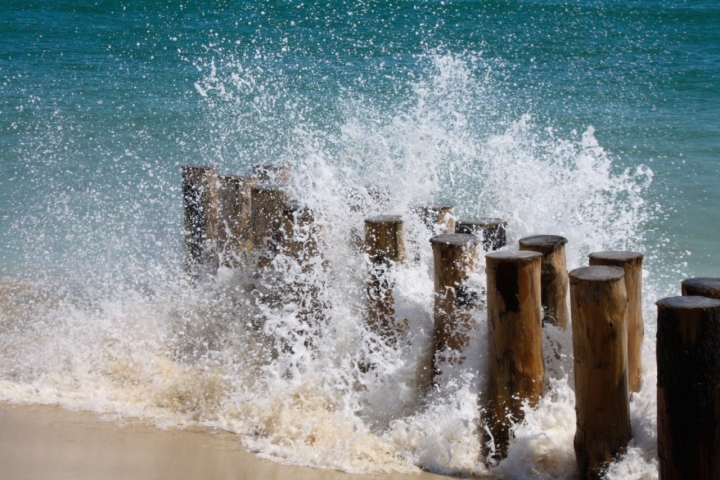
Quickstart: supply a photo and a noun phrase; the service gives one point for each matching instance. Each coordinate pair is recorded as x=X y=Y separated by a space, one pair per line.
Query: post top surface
x=269 y=186
x=270 y=166
x=435 y=206
x=596 y=273
x=616 y=256
x=702 y=282
x=191 y=166
x=514 y=256
x=688 y=303
x=454 y=239
x=481 y=221
x=238 y=178
x=543 y=241
x=384 y=219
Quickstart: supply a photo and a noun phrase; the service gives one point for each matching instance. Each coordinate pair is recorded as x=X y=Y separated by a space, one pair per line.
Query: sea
x=595 y=120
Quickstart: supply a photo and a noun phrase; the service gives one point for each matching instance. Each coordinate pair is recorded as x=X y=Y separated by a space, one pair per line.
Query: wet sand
x=41 y=442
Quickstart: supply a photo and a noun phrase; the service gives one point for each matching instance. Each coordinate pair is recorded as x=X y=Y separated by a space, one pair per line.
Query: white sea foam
x=300 y=392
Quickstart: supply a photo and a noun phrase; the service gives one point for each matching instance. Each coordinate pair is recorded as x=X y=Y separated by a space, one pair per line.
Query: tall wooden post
x=235 y=239
x=268 y=207
x=554 y=276
x=277 y=173
x=438 y=218
x=514 y=312
x=631 y=263
x=688 y=362
x=490 y=230
x=200 y=200
x=385 y=245
x=455 y=258
x=598 y=301
x=701 y=287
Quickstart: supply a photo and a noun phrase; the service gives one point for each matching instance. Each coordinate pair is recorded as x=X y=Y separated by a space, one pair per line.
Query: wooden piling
x=701 y=287
x=275 y=173
x=631 y=263
x=554 y=276
x=455 y=258
x=688 y=362
x=268 y=203
x=438 y=218
x=234 y=235
x=201 y=204
x=514 y=312
x=490 y=230
x=385 y=245
x=598 y=301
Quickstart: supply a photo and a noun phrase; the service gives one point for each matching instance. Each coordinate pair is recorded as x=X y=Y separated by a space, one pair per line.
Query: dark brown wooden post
x=598 y=301
x=490 y=230
x=268 y=206
x=438 y=218
x=455 y=258
x=385 y=245
x=701 y=287
x=688 y=362
x=554 y=276
x=200 y=200
x=273 y=173
x=631 y=263
x=235 y=239
x=514 y=312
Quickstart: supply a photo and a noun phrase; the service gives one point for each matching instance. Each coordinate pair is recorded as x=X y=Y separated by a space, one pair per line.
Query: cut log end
x=542 y=243
x=596 y=274
x=688 y=303
x=456 y=239
x=616 y=258
x=701 y=286
x=514 y=256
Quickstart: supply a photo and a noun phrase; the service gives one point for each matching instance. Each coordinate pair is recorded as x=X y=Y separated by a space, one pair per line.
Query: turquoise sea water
x=596 y=120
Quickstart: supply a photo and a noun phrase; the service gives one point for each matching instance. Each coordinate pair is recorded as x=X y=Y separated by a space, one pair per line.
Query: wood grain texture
x=234 y=230
x=201 y=205
x=268 y=203
x=554 y=276
x=491 y=231
x=701 y=287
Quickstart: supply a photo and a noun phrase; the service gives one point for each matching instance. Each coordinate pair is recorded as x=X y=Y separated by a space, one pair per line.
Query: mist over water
x=421 y=102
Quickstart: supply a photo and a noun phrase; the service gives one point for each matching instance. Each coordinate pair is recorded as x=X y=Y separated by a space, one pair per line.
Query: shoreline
x=40 y=441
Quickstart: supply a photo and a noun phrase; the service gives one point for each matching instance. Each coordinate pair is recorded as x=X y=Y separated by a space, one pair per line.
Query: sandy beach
x=43 y=442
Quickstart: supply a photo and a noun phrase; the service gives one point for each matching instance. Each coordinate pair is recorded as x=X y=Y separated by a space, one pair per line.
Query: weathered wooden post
x=631 y=263
x=438 y=218
x=200 y=200
x=385 y=245
x=455 y=258
x=554 y=276
x=514 y=312
x=598 y=301
x=701 y=287
x=234 y=235
x=688 y=361
x=277 y=173
x=268 y=206
x=490 y=230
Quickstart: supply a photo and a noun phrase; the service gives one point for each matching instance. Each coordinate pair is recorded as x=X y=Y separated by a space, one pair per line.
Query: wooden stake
x=490 y=230
x=455 y=259
x=598 y=301
x=268 y=206
x=273 y=173
x=514 y=312
x=385 y=245
x=631 y=263
x=554 y=276
x=701 y=287
x=688 y=361
x=438 y=218
x=200 y=200
x=235 y=239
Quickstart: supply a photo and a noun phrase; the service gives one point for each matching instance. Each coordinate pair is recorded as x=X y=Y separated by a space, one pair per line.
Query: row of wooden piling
x=232 y=219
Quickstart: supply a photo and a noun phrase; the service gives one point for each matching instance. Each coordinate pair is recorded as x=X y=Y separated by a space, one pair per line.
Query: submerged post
x=268 y=205
x=234 y=235
x=514 y=312
x=490 y=230
x=701 y=287
x=554 y=276
x=200 y=200
x=454 y=260
x=631 y=263
x=688 y=363
x=277 y=173
x=385 y=245
x=598 y=302
x=438 y=218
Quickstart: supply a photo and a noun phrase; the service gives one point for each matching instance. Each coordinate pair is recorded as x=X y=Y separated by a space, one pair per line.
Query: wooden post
x=235 y=239
x=455 y=258
x=438 y=218
x=701 y=287
x=688 y=362
x=631 y=263
x=554 y=276
x=268 y=206
x=598 y=301
x=490 y=230
x=273 y=173
x=385 y=245
x=514 y=312
x=200 y=200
